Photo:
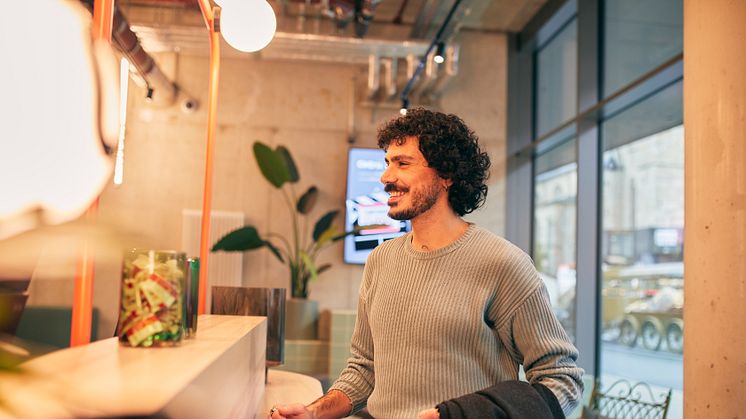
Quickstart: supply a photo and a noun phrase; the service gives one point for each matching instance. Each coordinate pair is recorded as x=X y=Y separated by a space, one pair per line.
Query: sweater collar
x=411 y=251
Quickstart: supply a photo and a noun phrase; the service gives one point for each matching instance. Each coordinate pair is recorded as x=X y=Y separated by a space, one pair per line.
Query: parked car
x=644 y=303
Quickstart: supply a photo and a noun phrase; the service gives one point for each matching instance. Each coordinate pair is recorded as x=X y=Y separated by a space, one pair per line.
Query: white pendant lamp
x=247 y=25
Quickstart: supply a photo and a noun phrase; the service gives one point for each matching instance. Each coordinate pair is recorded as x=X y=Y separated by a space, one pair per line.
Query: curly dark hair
x=449 y=147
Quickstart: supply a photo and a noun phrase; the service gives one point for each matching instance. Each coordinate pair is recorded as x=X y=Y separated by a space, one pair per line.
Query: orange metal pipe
x=103 y=18
x=82 y=308
x=207 y=13
x=212 y=106
x=80 y=328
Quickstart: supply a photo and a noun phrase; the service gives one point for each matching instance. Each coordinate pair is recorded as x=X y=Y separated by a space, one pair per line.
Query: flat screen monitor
x=366 y=204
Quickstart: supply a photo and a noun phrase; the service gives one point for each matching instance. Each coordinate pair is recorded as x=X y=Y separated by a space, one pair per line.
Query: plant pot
x=301 y=319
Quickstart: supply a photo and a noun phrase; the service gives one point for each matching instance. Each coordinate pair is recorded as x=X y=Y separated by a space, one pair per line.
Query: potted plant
x=300 y=250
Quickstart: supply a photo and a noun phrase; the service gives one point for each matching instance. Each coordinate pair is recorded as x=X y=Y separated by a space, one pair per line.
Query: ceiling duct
x=284 y=46
x=161 y=90
x=446 y=72
x=304 y=11
x=433 y=13
x=364 y=10
x=171 y=30
x=426 y=16
x=144 y=70
x=374 y=76
x=360 y=12
x=340 y=12
x=382 y=74
x=390 y=71
x=413 y=61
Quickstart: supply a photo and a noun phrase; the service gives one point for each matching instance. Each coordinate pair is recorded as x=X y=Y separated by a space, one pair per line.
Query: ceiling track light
x=440 y=53
x=421 y=66
x=404 y=106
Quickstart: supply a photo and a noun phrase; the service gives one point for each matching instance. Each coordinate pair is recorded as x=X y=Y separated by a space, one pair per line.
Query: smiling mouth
x=395 y=192
x=394 y=197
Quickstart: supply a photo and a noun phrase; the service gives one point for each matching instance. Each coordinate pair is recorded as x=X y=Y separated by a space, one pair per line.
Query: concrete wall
x=302 y=105
x=715 y=209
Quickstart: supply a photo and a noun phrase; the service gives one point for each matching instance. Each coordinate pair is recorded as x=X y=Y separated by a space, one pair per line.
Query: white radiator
x=224 y=268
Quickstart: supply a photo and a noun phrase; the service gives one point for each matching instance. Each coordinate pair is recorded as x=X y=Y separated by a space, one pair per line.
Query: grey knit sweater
x=436 y=325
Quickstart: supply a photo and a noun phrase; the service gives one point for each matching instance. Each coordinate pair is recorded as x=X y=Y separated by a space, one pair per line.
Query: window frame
x=592 y=109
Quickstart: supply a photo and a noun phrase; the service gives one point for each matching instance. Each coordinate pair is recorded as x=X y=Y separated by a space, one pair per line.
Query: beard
x=421 y=201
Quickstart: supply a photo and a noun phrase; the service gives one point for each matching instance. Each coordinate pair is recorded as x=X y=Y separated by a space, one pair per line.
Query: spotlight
x=404 y=106
x=439 y=53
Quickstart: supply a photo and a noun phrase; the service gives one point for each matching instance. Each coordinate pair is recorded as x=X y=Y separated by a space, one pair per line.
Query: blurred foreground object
x=59 y=116
x=59 y=246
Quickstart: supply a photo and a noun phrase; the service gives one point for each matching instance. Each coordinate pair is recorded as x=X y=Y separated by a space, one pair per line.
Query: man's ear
x=447 y=183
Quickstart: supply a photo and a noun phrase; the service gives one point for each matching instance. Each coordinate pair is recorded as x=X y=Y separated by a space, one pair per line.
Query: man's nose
x=387 y=176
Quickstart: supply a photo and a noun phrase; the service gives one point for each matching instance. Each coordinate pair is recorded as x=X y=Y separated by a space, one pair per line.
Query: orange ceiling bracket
x=212 y=21
x=82 y=308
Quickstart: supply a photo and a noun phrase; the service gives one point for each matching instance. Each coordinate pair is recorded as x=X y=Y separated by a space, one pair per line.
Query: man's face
x=413 y=186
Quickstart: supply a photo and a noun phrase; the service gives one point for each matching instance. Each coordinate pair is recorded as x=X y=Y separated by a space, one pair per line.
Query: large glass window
x=642 y=244
x=639 y=35
x=606 y=193
x=555 y=193
x=556 y=80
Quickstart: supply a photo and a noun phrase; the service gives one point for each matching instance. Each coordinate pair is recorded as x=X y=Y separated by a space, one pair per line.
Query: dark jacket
x=505 y=400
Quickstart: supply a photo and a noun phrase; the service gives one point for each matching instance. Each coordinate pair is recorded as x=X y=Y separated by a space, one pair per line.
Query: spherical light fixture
x=247 y=25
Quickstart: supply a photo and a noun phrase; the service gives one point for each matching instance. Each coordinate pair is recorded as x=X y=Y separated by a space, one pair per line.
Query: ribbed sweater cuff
x=350 y=389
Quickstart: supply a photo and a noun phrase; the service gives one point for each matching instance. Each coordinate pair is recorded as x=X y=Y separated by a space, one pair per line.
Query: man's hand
x=429 y=414
x=291 y=411
x=332 y=405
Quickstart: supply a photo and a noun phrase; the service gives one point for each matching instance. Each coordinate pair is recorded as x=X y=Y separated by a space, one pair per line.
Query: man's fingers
x=288 y=411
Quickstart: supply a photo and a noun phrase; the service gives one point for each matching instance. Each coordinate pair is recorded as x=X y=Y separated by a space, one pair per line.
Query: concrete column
x=715 y=224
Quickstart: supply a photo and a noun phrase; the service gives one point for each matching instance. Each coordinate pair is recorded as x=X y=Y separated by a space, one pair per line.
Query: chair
x=626 y=400
x=268 y=302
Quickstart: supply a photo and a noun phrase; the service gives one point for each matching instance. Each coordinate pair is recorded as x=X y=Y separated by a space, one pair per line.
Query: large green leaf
x=274 y=251
x=310 y=265
x=343 y=235
x=327 y=236
x=323 y=224
x=307 y=200
x=245 y=238
x=290 y=167
x=271 y=164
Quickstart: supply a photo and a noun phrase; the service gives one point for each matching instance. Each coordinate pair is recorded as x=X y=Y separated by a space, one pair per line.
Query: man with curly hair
x=449 y=312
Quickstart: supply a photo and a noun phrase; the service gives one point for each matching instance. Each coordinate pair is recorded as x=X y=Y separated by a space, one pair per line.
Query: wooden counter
x=218 y=374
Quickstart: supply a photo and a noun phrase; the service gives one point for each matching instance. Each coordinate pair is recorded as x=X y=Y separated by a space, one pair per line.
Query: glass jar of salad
x=152 y=297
